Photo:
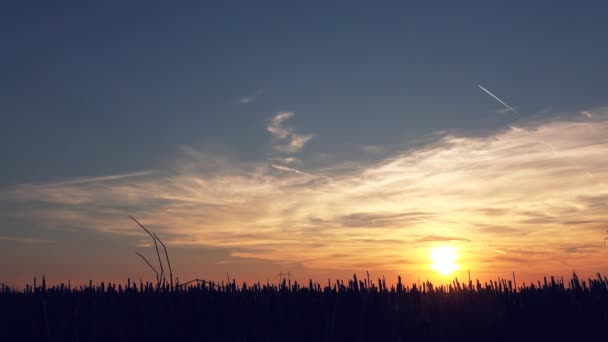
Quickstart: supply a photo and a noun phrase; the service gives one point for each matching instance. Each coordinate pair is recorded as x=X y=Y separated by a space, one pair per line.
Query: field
x=354 y=310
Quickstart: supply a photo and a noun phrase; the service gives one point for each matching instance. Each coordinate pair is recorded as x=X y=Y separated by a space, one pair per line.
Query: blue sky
x=115 y=89
x=90 y=89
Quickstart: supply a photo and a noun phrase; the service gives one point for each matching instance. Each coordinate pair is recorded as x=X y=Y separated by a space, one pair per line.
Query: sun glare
x=443 y=260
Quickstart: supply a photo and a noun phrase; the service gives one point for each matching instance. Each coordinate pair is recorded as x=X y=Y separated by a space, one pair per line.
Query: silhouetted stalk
x=161 y=278
x=168 y=262
x=198 y=281
x=152 y=267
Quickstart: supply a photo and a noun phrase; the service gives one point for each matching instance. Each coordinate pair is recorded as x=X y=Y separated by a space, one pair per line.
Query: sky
x=320 y=138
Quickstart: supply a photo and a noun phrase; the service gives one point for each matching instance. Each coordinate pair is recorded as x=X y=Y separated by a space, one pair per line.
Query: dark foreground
x=353 y=311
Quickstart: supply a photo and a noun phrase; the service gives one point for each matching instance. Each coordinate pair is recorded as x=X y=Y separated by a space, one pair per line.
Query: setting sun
x=443 y=260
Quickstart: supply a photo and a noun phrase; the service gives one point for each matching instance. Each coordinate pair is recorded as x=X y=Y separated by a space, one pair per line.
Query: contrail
x=105 y=178
x=289 y=169
x=497 y=99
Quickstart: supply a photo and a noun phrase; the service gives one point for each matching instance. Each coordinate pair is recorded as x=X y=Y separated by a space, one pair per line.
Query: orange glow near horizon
x=528 y=199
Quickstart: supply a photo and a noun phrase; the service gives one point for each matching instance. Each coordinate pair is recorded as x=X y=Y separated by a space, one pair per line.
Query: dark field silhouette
x=552 y=310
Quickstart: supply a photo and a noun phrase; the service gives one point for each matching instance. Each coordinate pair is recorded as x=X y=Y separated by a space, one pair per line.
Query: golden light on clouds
x=530 y=198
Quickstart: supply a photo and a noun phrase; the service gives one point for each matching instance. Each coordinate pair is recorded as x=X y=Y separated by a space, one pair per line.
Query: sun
x=443 y=260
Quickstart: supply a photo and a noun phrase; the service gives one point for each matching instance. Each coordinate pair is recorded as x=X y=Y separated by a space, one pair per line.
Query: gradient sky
x=321 y=138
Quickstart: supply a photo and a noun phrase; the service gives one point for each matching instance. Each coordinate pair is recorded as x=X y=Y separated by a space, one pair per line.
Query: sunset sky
x=319 y=138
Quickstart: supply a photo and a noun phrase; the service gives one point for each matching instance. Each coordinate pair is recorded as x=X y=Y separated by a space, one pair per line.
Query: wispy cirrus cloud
x=23 y=240
x=285 y=160
x=250 y=98
x=299 y=172
x=246 y=99
x=506 y=191
x=106 y=178
x=505 y=110
x=285 y=140
x=436 y=238
x=373 y=149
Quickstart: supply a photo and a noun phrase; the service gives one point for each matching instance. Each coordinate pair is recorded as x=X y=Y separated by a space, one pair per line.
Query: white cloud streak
x=285 y=140
x=23 y=240
x=286 y=160
x=373 y=149
x=497 y=99
x=107 y=178
x=503 y=192
x=246 y=99
x=296 y=171
x=250 y=98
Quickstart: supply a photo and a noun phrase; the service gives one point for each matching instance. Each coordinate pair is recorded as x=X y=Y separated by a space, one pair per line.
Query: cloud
x=435 y=238
x=505 y=110
x=23 y=240
x=296 y=171
x=250 y=98
x=286 y=160
x=369 y=220
x=527 y=189
x=106 y=178
x=275 y=127
x=285 y=140
x=246 y=99
x=297 y=143
x=509 y=108
x=372 y=149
